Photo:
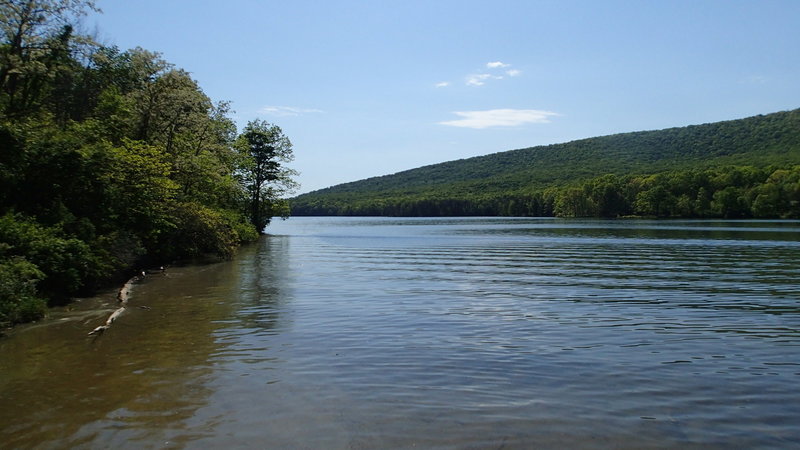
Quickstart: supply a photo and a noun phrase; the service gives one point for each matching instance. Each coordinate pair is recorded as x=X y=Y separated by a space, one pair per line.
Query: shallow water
x=450 y=333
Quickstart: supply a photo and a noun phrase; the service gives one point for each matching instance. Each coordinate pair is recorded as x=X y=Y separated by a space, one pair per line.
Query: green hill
x=485 y=185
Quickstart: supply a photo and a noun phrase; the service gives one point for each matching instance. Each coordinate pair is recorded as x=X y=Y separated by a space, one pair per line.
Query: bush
x=18 y=300
x=199 y=232
x=243 y=228
x=66 y=263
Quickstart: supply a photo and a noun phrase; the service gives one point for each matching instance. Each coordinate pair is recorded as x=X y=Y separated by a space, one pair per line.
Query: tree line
x=734 y=192
x=739 y=168
x=759 y=141
x=112 y=159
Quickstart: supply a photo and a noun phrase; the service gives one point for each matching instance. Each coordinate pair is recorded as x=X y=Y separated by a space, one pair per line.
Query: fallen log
x=125 y=290
x=122 y=297
x=109 y=321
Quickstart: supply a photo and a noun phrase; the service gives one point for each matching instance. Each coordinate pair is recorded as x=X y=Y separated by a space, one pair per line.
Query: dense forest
x=113 y=160
x=734 y=169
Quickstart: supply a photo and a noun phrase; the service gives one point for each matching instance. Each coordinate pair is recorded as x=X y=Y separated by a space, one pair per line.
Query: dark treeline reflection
x=262 y=285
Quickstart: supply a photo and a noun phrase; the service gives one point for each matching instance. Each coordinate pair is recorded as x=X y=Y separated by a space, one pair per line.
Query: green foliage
x=66 y=262
x=590 y=177
x=264 y=150
x=110 y=160
x=138 y=187
x=18 y=298
x=245 y=231
x=727 y=192
x=36 y=51
x=198 y=232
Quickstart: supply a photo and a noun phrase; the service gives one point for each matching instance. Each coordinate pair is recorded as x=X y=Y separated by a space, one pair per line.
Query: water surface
x=451 y=333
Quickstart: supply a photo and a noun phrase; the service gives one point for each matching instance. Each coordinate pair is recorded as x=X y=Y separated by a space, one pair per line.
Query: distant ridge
x=759 y=141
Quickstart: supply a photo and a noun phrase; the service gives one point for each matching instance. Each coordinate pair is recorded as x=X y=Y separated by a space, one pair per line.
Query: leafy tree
x=264 y=149
x=729 y=203
x=573 y=202
x=35 y=35
x=702 y=202
x=768 y=201
x=607 y=196
x=653 y=201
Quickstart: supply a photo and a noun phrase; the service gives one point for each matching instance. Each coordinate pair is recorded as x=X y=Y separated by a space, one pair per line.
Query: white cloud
x=479 y=79
x=285 y=111
x=482 y=77
x=499 y=118
x=497 y=65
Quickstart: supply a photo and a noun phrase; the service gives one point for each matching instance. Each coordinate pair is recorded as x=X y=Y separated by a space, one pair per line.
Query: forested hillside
x=738 y=168
x=111 y=160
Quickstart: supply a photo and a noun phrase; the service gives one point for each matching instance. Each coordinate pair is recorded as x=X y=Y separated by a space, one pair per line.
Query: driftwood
x=111 y=319
x=122 y=297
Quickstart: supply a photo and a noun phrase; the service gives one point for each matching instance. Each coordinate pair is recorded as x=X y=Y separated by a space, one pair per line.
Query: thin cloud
x=483 y=76
x=499 y=118
x=287 y=111
x=497 y=65
x=479 y=79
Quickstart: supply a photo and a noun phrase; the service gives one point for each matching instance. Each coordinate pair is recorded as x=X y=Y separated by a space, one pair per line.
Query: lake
x=433 y=333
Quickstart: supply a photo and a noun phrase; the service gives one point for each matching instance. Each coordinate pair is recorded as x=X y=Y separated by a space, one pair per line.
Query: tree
x=573 y=202
x=264 y=148
x=34 y=36
x=729 y=203
x=606 y=194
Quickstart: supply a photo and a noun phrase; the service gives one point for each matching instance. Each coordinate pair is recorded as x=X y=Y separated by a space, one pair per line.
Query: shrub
x=66 y=263
x=243 y=228
x=18 y=300
x=198 y=232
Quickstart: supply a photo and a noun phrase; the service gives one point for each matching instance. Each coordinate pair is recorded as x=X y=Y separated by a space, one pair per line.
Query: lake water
x=433 y=333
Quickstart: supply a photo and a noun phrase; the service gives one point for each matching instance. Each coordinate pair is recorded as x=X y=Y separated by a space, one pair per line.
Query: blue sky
x=371 y=87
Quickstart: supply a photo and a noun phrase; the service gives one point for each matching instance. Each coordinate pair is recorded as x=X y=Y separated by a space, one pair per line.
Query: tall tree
x=32 y=33
x=264 y=149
